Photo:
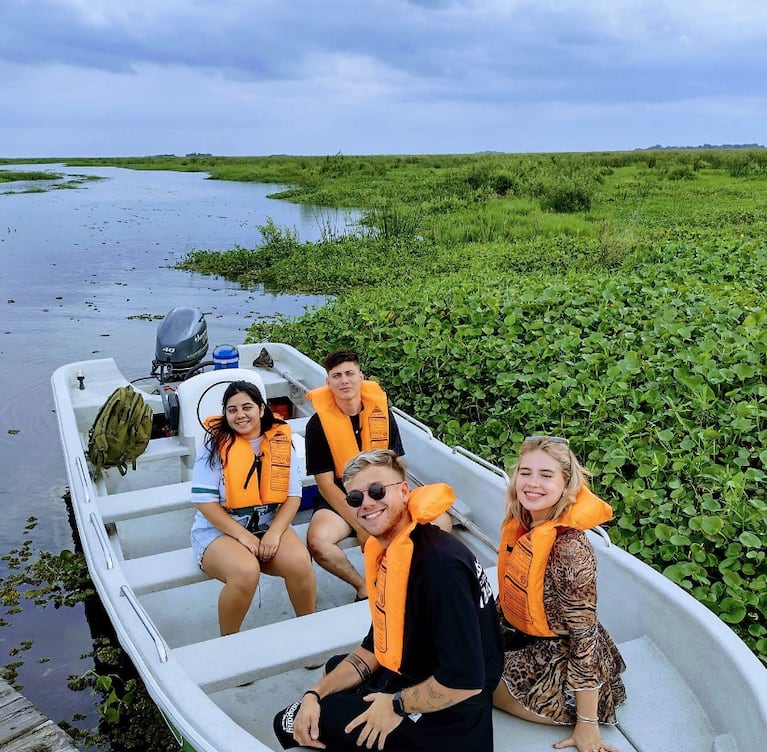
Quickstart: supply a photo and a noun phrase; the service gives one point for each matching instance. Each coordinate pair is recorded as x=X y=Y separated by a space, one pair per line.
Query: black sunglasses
x=552 y=439
x=375 y=491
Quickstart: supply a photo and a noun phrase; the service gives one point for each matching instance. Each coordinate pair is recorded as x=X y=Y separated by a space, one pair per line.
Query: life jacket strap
x=242 y=510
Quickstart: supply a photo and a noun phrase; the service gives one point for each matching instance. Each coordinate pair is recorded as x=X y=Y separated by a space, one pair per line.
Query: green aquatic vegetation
x=43 y=577
x=8 y=176
x=75 y=181
x=655 y=370
x=129 y=718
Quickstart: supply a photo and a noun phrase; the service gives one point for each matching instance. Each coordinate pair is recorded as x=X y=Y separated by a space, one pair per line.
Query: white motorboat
x=692 y=683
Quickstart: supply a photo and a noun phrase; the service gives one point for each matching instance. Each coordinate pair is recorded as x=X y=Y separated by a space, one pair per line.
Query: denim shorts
x=203 y=533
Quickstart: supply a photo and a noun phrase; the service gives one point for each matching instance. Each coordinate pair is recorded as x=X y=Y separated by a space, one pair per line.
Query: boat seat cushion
x=202 y=396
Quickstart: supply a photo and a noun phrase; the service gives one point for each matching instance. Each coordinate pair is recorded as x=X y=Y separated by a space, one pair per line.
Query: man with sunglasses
x=424 y=675
x=352 y=415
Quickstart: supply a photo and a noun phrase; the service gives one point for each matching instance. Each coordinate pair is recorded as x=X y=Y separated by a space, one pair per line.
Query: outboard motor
x=182 y=343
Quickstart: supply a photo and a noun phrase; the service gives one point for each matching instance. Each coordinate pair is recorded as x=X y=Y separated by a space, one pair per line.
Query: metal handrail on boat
x=159 y=644
x=265 y=360
x=294 y=381
x=602 y=533
x=103 y=542
x=410 y=419
x=461 y=519
x=480 y=461
x=83 y=479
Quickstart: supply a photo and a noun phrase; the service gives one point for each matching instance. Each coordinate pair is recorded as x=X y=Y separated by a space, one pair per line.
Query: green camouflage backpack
x=120 y=432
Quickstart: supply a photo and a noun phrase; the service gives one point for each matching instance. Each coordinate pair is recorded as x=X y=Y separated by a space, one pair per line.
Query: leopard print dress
x=544 y=674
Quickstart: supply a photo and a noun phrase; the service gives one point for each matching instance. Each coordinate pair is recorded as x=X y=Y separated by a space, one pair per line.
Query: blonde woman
x=560 y=665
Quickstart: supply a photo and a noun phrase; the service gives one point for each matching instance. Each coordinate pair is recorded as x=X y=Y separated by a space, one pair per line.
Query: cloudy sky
x=250 y=77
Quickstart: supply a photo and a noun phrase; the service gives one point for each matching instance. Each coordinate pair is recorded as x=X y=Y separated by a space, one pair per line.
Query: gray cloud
x=261 y=62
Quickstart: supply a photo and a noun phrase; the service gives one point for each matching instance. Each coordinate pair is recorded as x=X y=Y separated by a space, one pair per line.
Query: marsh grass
x=11 y=176
x=8 y=176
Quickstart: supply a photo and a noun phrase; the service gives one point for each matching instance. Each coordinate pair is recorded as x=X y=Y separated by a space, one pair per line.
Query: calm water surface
x=75 y=267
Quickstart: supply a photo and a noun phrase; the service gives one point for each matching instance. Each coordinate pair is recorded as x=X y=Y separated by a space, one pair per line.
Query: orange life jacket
x=387 y=571
x=243 y=488
x=374 y=423
x=523 y=555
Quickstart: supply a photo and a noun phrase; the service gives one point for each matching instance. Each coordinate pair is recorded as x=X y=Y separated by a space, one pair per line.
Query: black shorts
x=320 y=503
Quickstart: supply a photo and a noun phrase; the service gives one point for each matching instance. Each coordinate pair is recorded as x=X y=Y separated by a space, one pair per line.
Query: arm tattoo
x=360 y=666
x=427 y=698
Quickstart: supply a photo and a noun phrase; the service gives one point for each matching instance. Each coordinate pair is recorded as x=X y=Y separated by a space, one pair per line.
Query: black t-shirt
x=319 y=458
x=451 y=624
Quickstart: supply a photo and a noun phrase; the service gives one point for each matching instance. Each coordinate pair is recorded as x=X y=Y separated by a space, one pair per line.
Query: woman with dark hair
x=560 y=664
x=247 y=490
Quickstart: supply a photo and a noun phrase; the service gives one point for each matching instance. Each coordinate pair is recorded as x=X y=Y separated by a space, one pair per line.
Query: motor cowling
x=182 y=343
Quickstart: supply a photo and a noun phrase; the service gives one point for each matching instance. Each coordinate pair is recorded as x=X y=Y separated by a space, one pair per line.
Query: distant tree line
x=708 y=146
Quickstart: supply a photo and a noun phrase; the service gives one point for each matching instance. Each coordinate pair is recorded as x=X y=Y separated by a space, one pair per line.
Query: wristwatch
x=398 y=705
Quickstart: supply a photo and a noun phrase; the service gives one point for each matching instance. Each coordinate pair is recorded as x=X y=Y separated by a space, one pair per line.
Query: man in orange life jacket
x=351 y=415
x=424 y=675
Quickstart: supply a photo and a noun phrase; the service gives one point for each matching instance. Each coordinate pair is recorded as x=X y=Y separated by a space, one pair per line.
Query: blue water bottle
x=225 y=356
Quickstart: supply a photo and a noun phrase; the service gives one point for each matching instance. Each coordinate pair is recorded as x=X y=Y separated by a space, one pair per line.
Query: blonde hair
x=374 y=458
x=576 y=477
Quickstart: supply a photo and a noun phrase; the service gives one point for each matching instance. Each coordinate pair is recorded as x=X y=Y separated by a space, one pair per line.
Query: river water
x=76 y=266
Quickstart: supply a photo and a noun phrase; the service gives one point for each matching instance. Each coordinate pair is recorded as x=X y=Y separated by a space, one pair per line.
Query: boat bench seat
x=169 y=569
x=222 y=662
x=129 y=505
x=149 y=574
x=162 y=448
x=133 y=503
x=274 y=384
x=162 y=462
